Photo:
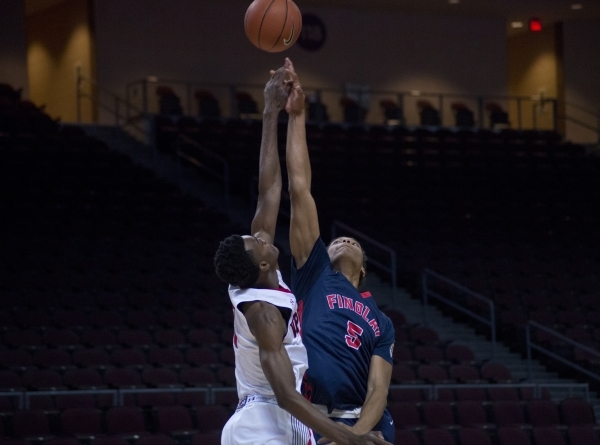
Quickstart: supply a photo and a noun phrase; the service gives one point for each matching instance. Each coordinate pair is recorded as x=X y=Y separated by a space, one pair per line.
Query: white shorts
x=259 y=420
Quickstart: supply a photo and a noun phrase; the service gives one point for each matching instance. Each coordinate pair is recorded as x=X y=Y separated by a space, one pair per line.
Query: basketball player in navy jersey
x=348 y=340
x=270 y=357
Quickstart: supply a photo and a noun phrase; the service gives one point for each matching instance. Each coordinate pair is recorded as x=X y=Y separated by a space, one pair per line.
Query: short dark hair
x=234 y=264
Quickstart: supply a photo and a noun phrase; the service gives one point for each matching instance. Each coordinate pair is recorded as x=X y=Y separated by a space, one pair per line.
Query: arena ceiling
x=548 y=11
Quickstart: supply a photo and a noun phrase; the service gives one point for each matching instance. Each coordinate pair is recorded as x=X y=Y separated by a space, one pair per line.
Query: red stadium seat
x=96 y=358
x=548 y=436
x=202 y=356
x=203 y=337
x=438 y=414
x=123 y=378
x=127 y=422
x=496 y=373
x=166 y=357
x=577 y=412
x=170 y=338
x=211 y=418
x=472 y=414
x=129 y=357
x=513 y=436
x=175 y=420
x=83 y=423
x=197 y=377
x=474 y=436
x=160 y=378
x=30 y=424
x=543 y=413
x=583 y=435
x=405 y=415
x=438 y=436
x=508 y=414
x=83 y=379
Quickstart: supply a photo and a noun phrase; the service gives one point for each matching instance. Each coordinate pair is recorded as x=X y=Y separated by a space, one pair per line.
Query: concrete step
x=190 y=182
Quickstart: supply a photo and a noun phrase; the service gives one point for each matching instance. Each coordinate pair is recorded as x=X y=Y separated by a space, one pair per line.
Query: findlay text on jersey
x=337 y=301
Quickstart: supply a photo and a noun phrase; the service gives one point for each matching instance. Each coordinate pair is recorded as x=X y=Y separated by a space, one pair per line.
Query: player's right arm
x=269 y=177
x=268 y=327
x=304 y=225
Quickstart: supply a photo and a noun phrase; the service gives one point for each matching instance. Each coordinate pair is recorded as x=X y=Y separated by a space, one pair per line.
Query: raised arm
x=269 y=171
x=268 y=327
x=304 y=225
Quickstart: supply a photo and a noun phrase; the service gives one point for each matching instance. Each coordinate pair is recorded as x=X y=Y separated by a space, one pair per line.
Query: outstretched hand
x=276 y=91
x=295 y=102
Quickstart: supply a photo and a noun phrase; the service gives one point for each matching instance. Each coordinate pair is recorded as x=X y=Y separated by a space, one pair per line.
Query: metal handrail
x=433 y=389
x=131 y=122
x=593 y=114
x=210 y=391
x=117 y=102
x=29 y=394
x=391 y=269
x=318 y=91
x=224 y=176
x=427 y=292
x=16 y=394
x=530 y=345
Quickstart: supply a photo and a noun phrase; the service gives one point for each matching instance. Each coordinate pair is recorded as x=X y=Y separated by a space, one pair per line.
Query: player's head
x=240 y=261
x=348 y=250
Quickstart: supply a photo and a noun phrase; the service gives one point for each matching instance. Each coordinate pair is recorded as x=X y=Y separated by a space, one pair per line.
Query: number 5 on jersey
x=354 y=331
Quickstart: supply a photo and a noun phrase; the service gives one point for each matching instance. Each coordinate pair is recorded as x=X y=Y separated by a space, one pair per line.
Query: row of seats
x=108 y=339
x=98 y=318
x=536 y=413
x=504 y=436
x=127 y=422
x=59 y=360
x=150 y=439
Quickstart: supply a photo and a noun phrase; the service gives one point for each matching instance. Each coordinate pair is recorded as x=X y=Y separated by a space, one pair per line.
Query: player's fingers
x=325 y=441
x=290 y=64
x=292 y=74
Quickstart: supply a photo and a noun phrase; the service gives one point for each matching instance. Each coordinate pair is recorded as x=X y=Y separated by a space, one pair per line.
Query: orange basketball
x=273 y=25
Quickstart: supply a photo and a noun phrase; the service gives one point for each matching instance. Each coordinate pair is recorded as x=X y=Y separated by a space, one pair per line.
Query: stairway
x=211 y=194
x=450 y=330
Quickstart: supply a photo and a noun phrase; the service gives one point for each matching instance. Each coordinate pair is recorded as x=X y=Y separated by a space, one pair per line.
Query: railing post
x=493 y=326
x=555 y=114
x=145 y=96
x=480 y=106
x=528 y=345
x=424 y=290
x=78 y=83
x=189 y=98
x=598 y=124
x=394 y=278
x=401 y=104
x=232 y=98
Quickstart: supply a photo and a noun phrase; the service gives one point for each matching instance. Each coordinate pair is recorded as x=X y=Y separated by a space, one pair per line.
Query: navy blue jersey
x=341 y=329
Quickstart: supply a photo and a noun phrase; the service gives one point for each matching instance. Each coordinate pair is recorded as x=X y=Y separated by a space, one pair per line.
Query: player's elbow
x=284 y=398
x=298 y=188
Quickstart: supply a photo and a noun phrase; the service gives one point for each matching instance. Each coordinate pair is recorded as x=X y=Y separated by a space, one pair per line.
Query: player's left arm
x=269 y=176
x=380 y=374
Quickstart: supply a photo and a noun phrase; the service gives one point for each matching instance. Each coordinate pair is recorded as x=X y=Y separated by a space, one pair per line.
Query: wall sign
x=314 y=33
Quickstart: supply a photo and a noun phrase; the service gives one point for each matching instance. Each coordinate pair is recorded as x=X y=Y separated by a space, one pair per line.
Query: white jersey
x=249 y=374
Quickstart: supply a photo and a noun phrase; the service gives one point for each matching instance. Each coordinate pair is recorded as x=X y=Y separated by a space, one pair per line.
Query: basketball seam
x=283 y=27
x=261 y=24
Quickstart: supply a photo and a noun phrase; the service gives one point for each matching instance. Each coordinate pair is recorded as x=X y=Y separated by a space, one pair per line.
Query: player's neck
x=348 y=270
x=267 y=281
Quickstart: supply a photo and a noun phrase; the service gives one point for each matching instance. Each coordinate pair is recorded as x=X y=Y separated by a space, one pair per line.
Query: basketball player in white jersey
x=270 y=358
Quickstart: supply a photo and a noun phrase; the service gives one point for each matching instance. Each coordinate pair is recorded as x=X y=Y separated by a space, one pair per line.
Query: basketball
x=273 y=25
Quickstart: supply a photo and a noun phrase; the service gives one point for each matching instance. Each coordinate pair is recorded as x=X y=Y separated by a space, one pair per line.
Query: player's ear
x=363 y=272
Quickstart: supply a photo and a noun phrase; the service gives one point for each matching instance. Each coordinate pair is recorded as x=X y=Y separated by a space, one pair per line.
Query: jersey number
x=354 y=331
x=295 y=324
